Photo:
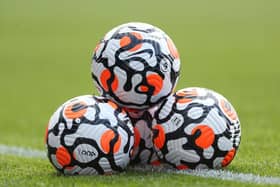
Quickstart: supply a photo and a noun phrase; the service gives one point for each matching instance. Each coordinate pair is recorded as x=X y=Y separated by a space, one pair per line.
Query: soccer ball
x=143 y=149
x=136 y=65
x=196 y=128
x=89 y=135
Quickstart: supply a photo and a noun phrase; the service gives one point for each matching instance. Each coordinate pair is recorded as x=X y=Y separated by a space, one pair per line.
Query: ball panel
x=159 y=139
x=63 y=157
x=204 y=136
x=106 y=141
x=85 y=153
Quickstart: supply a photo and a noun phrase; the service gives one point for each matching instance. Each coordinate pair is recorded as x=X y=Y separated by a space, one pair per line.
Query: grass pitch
x=228 y=46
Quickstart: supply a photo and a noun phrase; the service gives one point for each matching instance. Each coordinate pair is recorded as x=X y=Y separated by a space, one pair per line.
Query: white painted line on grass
x=215 y=174
x=22 y=152
x=228 y=175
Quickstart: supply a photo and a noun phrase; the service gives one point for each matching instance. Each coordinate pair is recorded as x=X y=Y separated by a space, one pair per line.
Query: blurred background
x=228 y=46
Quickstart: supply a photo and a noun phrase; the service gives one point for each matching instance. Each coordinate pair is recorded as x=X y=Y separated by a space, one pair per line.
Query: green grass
x=25 y=172
x=45 y=51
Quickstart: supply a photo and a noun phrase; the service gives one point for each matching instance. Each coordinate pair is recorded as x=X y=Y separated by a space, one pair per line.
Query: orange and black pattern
x=143 y=149
x=136 y=65
x=89 y=135
x=196 y=128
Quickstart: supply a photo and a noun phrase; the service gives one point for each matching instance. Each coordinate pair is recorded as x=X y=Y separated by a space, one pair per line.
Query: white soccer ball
x=89 y=135
x=196 y=128
x=136 y=65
